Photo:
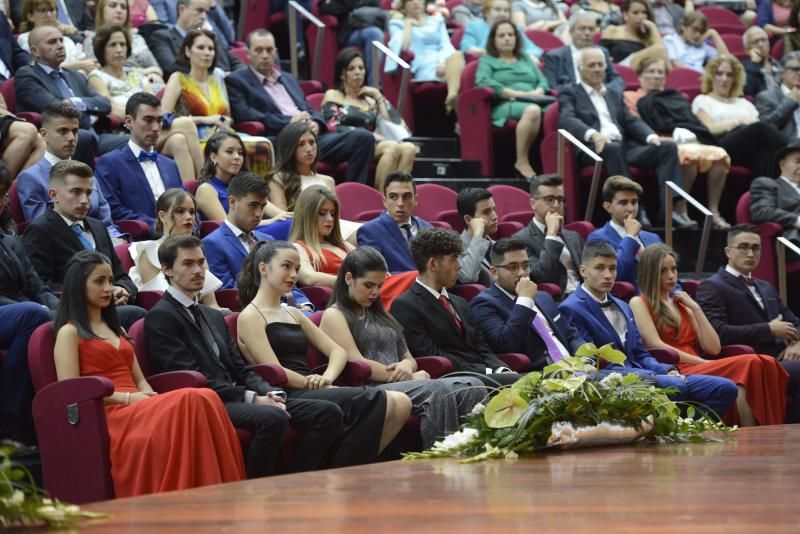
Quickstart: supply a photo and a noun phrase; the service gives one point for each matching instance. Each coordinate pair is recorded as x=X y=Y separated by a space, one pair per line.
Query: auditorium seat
x=545 y=40
x=512 y=200
x=685 y=80
x=15 y=207
x=356 y=199
x=433 y=200
x=723 y=20
x=629 y=76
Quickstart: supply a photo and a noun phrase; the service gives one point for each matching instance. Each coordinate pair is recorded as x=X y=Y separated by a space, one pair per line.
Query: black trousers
x=356 y=147
x=754 y=146
x=129 y=314
x=362 y=413
x=319 y=421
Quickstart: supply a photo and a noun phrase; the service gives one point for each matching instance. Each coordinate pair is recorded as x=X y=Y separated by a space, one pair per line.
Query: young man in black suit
x=182 y=334
x=52 y=238
x=438 y=323
x=745 y=310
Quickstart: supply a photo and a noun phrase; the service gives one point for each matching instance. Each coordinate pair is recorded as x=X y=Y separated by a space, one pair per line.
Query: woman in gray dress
x=357 y=322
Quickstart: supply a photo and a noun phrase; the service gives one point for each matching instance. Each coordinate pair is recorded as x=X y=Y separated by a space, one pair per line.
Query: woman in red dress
x=177 y=440
x=316 y=234
x=677 y=321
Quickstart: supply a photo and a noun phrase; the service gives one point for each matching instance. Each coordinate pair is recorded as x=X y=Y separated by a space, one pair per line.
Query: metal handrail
x=701 y=253
x=598 y=166
x=377 y=48
x=781 y=247
x=294 y=8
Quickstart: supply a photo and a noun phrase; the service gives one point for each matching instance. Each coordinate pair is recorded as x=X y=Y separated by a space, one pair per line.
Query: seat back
x=629 y=76
x=468 y=291
x=777 y=50
x=124 y=255
x=40 y=356
x=550 y=122
x=455 y=39
x=743 y=215
x=508 y=228
x=508 y=199
x=14 y=204
x=191 y=186
x=136 y=332
x=228 y=298
x=241 y=54
x=206 y=227
x=723 y=20
x=432 y=199
x=684 y=80
x=735 y=45
x=468 y=76
x=356 y=198
x=545 y=40
x=315 y=101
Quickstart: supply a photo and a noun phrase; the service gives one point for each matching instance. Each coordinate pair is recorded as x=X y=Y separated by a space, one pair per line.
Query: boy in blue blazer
x=601 y=318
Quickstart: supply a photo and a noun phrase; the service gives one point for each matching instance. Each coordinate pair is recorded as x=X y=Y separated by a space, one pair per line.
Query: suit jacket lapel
x=584 y=101
x=46 y=79
x=183 y=315
x=596 y=311
x=741 y=288
x=394 y=231
x=439 y=310
x=57 y=223
x=141 y=180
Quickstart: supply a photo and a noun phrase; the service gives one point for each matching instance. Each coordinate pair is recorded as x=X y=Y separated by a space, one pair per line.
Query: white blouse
x=159 y=283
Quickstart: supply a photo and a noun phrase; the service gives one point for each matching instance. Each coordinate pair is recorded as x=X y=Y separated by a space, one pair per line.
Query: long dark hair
x=249 y=278
x=72 y=306
x=212 y=147
x=343 y=61
x=7 y=224
x=183 y=60
x=358 y=263
x=491 y=46
x=286 y=162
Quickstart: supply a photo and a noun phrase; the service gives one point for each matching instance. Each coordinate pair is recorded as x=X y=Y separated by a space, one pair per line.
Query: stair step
x=437 y=147
x=447 y=167
x=459 y=183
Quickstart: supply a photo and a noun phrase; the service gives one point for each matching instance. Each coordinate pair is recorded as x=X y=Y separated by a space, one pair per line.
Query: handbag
x=365 y=16
x=539 y=100
x=391 y=131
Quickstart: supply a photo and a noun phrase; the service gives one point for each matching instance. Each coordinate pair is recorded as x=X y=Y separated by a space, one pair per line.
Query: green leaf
x=611 y=355
x=505 y=409
x=586 y=350
x=525 y=385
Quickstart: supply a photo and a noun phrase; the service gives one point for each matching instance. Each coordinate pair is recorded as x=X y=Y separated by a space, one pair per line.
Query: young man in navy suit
x=134 y=176
x=393 y=230
x=227 y=246
x=60 y=133
x=624 y=231
x=744 y=310
x=515 y=317
x=601 y=318
x=263 y=93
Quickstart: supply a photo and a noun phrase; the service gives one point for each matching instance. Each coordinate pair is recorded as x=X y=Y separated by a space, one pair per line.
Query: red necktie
x=447 y=306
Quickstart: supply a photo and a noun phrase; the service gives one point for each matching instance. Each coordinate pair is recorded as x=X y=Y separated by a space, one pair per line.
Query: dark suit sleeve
x=754 y=81
x=107 y=173
x=551 y=68
x=96 y=104
x=217 y=263
x=368 y=236
x=546 y=267
x=37 y=290
x=162 y=49
x=502 y=335
x=31 y=94
x=39 y=248
x=244 y=111
x=19 y=57
x=710 y=299
x=567 y=117
x=772 y=111
x=635 y=129
x=169 y=351
x=418 y=339
x=764 y=203
x=477 y=339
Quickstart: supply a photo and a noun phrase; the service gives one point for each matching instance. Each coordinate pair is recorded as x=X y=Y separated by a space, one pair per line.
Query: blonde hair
x=711 y=70
x=487 y=5
x=28 y=7
x=304 y=222
x=99 y=20
x=650 y=262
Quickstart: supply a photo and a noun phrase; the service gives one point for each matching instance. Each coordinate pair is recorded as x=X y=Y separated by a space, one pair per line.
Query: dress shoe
x=682 y=222
x=644 y=219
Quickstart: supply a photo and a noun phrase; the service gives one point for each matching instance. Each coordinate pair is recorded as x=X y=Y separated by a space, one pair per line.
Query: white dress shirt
x=607 y=125
x=150 y=171
x=613 y=314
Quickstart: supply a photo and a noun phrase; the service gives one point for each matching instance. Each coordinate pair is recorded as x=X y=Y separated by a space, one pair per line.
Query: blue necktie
x=61 y=83
x=78 y=231
x=152 y=156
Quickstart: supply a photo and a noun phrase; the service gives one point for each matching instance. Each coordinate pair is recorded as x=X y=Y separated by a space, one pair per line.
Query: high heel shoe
x=527 y=178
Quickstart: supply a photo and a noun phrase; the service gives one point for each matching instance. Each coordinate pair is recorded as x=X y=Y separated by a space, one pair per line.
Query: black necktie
x=748 y=281
x=606 y=304
x=201 y=323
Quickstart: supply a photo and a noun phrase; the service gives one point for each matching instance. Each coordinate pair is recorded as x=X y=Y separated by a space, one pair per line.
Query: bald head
x=592 y=67
x=756 y=38
x=47 y=46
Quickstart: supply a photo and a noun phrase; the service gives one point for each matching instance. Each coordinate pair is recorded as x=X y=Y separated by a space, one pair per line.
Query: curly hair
x=711 y=71
x=434 y=243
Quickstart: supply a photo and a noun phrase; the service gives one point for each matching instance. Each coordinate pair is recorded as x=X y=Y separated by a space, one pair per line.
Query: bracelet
x=128 y=397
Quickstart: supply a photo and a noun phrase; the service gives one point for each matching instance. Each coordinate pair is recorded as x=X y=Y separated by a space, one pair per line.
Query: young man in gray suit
x=778 y=200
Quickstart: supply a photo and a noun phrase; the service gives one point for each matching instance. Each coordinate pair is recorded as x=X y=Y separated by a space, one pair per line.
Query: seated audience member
x=425 y=35
x=297 y=153
x=601 y=318
x=744 y=310
x=225 y=157
x=200 y=95
x=139 y=58
x=667 y=318
x=545 y=15
x=393 y=230
x=515 y=317
x=553 y=251
x=669 y=114
x=778 y=200
x=733 y=119
x=45 y=81
x=270 y=332
x=761 y=71
x=355 y=105
x=668 y=14
x=53 y=237
x=12 y=56
x=60 y=123
x=41 y=13
x=134 y=176
x=606 y=13
x=76 y=17
x=182 y=334
x=597 y=115
x=438 y=323
x=316 y=232
x=265 y=94
x=140 y=12
x=773 y=16
x=469 y=11
x=690 y=49
x=476 y=33
x=351 y=36
x=515 y=80
x=227 y=246
x=158 y=442
x=166 y=43
x=561 y=64
x=357 y=322
x=637 y=37
x=476 y=209
x=623 y=231
x=791 y=39
x=779 y=105
x=176 y=215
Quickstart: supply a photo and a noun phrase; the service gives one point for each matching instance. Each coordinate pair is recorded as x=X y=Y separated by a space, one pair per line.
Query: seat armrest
x=354 y=374
x=250 y=127
x=57 y=395
x=731 y=350
x=515 y=361
x=668 y=356
x=163 y=382
x=137 y=229
x=273 y=374
x=435 y=366
x=368 y=215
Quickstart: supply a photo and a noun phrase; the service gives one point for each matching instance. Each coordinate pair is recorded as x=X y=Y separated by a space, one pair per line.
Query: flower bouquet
x=568 y=405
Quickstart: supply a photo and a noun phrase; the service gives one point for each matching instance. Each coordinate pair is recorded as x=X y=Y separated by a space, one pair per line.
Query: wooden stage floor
x=750 y=483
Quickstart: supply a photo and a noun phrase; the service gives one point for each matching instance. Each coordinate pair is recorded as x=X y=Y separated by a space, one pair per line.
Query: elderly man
x=780 y=106
x=561 y=64
x=762 y=71
x=597 y=115
x=778 y=200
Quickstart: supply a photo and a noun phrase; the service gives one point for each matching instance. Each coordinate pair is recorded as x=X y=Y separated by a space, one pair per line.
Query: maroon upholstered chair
x=70 y=420
x=206 y=227
x=684 y=80
x=7 y=90
x=355 y=373
x=510 y=199
x=191 y=186
x=468 y=291
x=148 y=299
x=735 y=45
x=723 y=20
x=356 y=198
x=124 y=256
x=138 y=230
x=433 y=199
x=623 y=290
x=629 y=76
x=228 y=298
x=318 y=295
x=545 y=40
x=507 y=229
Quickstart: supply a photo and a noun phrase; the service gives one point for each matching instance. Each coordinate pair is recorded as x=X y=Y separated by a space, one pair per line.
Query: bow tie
x=748 y=281
x=152 y=156
x=606 y=304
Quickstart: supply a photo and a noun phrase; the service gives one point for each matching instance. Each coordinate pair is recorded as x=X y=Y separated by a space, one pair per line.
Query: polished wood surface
x=750 y=483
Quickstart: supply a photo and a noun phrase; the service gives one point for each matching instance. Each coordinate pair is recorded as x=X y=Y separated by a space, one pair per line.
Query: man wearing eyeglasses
x=553 y=251
x=744 y=310
x=760 y=69
x=515 y=317
x=780 y=105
